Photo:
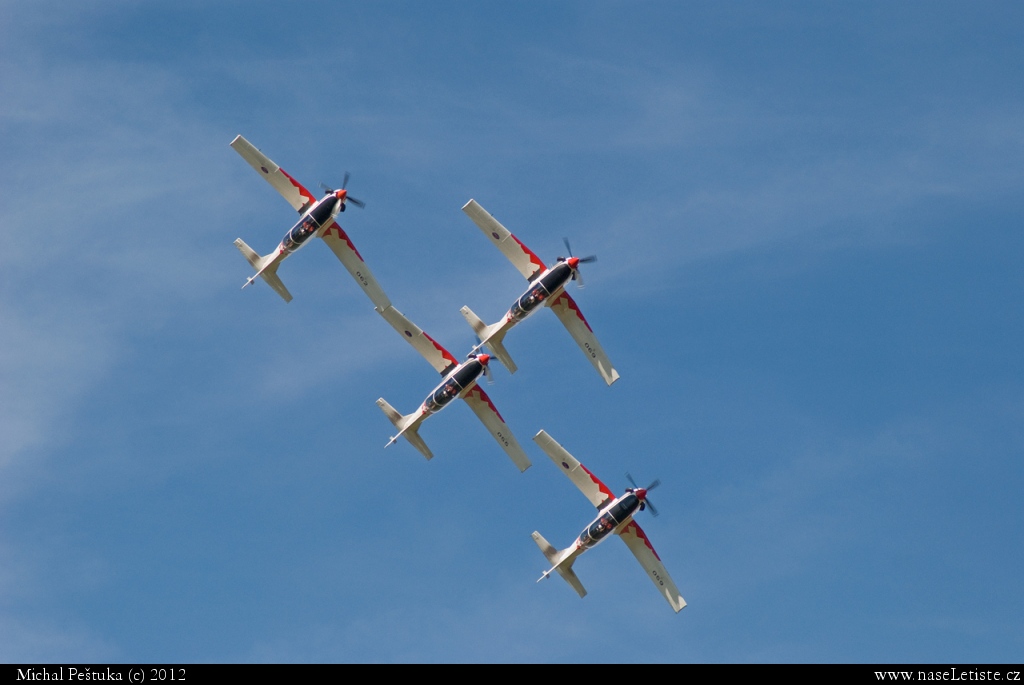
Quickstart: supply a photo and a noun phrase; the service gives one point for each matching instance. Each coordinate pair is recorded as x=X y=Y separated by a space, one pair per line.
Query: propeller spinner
x=342 y=194
x=574 y=262
x=642 y=493
x=484 y=360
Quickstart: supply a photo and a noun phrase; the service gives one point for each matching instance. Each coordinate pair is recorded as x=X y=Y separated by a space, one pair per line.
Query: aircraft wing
x=484 y=409
x=520 y=255
x=343 y=248
x=569 y=314
x=589 y=484
x=291 y=190
x=641 y=547
x=438 y=357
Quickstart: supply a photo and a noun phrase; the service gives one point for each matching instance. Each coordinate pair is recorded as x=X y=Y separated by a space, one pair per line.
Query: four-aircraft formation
x=460 y=380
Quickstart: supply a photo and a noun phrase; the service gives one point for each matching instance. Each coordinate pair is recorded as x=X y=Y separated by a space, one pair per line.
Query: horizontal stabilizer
x=561 y=561
x=570 y=577
x=546 y=547
x=491 y=336
x=407 y=427
x=270 y=276
x=266 y=268
x=251 y=255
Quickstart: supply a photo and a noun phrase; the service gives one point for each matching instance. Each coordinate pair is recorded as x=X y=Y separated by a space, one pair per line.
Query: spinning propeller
x=343 y=194
x=642 y=493
x=484 y=360
x=574 y=262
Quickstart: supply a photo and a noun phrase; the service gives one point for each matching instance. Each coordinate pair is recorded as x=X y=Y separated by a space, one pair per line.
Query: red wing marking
x=301 y=189
x=534 y=259
x=571 y=304
x=597 y=481
x=344 y=236
x=444 y=353
x=638 y=531
x=480 y=391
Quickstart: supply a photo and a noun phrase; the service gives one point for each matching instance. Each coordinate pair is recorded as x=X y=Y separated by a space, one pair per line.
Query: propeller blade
x=656 y=483
x=630 y=479
x=358 y=203
x=567 y=248
x=651 y=508
x=588 y=259
x=344 y=183
x=327 y=189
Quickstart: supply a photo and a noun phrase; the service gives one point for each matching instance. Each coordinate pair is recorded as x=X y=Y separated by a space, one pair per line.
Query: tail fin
x=491 y=336
x=560 y=561
x=407 y=427
x=266 y=268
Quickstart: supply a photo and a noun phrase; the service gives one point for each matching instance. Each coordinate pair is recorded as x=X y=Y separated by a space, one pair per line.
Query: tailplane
x=407 y=426
x=560 y=561
x=491 y=336
x=266 y=268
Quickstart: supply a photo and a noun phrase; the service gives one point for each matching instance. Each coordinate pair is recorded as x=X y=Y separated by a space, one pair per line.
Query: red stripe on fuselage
x=571 y=304
x=344 y=236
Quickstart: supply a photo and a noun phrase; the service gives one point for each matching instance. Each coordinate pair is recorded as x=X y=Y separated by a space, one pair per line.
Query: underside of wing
x=641 y=547
x=291 y=190
x=569 y=314
x=438 y=357
x=528 y=264
x=343 y=248
x=589 y=484
x=485 y=410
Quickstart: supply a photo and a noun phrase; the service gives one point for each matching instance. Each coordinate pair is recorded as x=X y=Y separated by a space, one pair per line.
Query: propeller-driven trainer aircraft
x=318 y=219
x=460 y=380
x=615 y=516
x=547 y=287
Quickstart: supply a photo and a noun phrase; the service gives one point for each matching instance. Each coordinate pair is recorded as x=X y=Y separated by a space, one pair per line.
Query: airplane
x=318 y=219
x=615 y=516
x=459 y=381
x=547 y=287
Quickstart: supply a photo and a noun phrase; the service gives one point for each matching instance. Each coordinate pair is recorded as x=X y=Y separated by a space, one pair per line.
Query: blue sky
x=808 y=218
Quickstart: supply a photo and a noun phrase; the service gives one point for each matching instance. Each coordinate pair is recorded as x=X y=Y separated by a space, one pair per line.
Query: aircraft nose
x=641 y=493
x=573 y=262
x=340 y=194
x=484 y=359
